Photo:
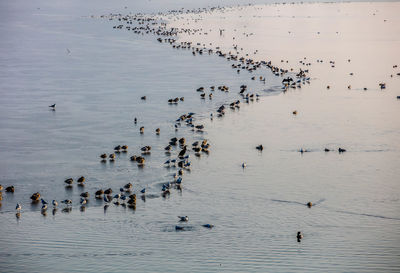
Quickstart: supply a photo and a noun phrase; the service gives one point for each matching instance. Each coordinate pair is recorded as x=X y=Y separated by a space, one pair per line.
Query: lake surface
x=96 y=75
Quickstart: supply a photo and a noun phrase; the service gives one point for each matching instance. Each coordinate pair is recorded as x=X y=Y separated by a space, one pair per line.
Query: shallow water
x=97 y=84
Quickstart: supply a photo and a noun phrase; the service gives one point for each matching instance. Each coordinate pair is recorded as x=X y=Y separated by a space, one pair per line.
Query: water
x=257 y=211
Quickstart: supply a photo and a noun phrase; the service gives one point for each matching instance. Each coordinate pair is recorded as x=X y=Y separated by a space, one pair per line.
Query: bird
x=43 y=202
x=244 y=165
x=208 y=226
x=35 y=197
x=183 y=218
x=18 y=207
x=44 y=207
x=143 y=190
x=10 y=189
x=53 y=106
x=309 y=204
x=55 y=203
x=85 y=195
x=99 y=193
x=81 y=179
x=67 y=201
x=69 y=181
x=260 y=147
x=83 y=201
x=106 y=199
x=128 y=186
x=299 y=236
x=341 y=150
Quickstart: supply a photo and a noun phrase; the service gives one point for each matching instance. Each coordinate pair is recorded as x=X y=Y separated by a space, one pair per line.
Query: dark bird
x=81 y=179
x=299 y=236
x=69 y=181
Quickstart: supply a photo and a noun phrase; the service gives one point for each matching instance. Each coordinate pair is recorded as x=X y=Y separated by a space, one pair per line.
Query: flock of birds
x=126 y=196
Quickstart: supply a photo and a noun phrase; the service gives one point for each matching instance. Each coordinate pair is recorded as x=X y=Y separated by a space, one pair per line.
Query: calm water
x=96 y=75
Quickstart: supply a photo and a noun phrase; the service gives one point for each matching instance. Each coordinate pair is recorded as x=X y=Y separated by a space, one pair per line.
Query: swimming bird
x=117 y=196
x=128 y=186
x=44 y=207
x=341 y=150
x=208 y=226
x=18 y=207
x=53 y=106
x=108 y=191
x=67 y=201
x=85 y=195
x=168 y=148
x=260 y=147
x=140 y=160
x=244 y=165
x=10 y=189
x=309 y=204
x=326 y=150
x=143 y=190
x=83 y=201
x=43 y=201
x=81 y=179
x=99 y=193
x=183 y=218
x=55 y=203
x=141 y=130
x=69 y=181
x=1 y=187
x=35 y=197
x=157 y=131
x=103 y=156
x=299 y=236
x=106 y=199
